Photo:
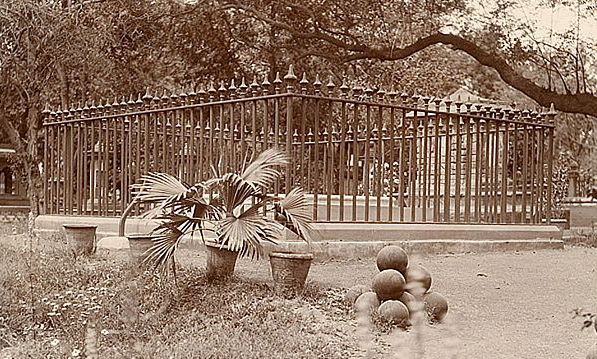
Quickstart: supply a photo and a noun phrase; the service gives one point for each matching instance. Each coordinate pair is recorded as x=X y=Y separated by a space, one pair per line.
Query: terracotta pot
x=138 y=246
x=289 y=271
x=220 y=261
x=80 y=238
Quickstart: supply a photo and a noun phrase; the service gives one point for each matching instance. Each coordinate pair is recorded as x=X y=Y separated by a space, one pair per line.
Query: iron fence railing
x=361 y=154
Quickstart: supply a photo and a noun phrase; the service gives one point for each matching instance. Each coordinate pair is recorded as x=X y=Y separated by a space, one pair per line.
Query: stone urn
x=220 y=261
x=289 y=271
x=139 y=244
x=80 y=238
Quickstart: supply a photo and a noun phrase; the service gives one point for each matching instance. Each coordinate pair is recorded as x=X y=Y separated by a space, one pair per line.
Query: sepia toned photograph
x=206 y=179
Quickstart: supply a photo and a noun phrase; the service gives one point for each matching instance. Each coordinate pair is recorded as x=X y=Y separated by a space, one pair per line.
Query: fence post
x=290 y=79
x=45 y=119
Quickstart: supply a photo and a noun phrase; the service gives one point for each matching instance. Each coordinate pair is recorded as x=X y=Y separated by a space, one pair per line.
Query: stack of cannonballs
x=395 y=288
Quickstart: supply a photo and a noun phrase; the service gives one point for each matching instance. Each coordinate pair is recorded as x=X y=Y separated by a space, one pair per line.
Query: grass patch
x=54 y=305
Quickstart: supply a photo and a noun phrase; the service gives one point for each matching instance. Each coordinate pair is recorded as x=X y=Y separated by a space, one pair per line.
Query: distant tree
x=61 y=53
x=495 y=52
x=350 y=31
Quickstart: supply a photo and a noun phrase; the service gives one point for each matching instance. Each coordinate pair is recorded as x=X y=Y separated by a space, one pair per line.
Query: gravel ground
x=502 y=305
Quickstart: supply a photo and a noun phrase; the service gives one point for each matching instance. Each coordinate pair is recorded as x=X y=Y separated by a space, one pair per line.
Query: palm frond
x=160 y=188
x=246 y=233
x=262 y=171
x=235 y=191
x=294 y=207
x=164 y=246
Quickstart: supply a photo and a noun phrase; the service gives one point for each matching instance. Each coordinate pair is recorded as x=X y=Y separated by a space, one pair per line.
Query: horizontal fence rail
x=361 y=155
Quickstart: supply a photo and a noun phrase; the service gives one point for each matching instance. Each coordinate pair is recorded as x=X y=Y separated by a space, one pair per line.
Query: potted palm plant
x=232 y=213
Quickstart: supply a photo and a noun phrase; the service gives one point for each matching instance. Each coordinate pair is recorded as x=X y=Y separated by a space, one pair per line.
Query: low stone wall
x=354 y=240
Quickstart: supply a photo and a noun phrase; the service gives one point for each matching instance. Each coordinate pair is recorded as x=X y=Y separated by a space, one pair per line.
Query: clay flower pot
x=289 y=271
x=220 y=261
x=80 y=238
x=139 y=244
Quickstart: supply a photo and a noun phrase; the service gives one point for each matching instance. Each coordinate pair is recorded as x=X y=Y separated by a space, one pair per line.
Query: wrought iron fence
x=361 y=154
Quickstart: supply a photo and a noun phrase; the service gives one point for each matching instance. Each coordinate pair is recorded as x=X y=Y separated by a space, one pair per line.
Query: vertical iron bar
x=479 y=160
x=514 y=173
x=379 y=163
x=413 y=166
x=468 y=170
x=329 y=159
x=402 y=165
x=458 y=174
x=85 y=166
x=496 y=165
x=391 y=174
x=436 y=167
x=505 y=157
x=486 y=170
x=46 y=166
x=540 y=164
x=550 y=155
x=532 y=158
x=93 y=166
x=304 y=182
x=342 y=163
x=448 y=167
x=289 y=125
x=115 y=139
x=366 y=169
x=69 y=178
x=425 y=155
x=316 y=162
x=355 y=160
x=80 y=154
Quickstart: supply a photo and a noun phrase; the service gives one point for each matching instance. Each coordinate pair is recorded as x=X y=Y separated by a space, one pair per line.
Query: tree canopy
x=64 y=52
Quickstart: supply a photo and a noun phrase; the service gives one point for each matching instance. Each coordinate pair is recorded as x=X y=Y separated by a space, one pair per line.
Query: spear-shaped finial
x=317 y=84
x=304 y=82
x=290 y=78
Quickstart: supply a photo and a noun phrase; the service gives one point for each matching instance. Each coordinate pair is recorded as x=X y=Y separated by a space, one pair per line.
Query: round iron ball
x=407 y=298
x=436 y=306
x=392 y=257
x=417 y=278
x=395 y=312
x=366 y=303
x=388 y=284
x=354 y=292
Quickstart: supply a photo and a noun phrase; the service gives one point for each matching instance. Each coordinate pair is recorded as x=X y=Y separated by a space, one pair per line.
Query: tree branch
x=583 y=103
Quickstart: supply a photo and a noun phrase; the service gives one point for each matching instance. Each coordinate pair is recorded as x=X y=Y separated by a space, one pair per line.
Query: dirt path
x=504 y=305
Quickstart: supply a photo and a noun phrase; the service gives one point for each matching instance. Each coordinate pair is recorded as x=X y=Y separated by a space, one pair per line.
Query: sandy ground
x=502 y=305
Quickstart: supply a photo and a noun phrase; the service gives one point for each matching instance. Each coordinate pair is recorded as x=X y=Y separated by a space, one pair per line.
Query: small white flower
x=105 y=332
x=76 y=353
x=54 y=342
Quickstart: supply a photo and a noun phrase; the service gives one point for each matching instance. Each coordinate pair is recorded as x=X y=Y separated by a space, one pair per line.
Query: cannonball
x=366 y=303
x=416 y=277
x=388 y=284
x=392 y=257
x=407 y=298
x=354 y=292
x=436 y=306
x=394 y=312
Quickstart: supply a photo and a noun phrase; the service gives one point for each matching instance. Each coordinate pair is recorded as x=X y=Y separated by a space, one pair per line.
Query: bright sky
x=559 y=18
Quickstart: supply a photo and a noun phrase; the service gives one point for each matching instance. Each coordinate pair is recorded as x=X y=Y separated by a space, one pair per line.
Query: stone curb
x=323 y=251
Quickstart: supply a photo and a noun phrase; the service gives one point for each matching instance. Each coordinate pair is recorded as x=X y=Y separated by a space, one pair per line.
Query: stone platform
x=355 y=240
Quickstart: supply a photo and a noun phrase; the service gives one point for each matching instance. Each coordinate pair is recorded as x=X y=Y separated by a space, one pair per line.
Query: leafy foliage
x=230 y=206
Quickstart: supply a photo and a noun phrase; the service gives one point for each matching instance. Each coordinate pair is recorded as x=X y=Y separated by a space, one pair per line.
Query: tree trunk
x=32 y=157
